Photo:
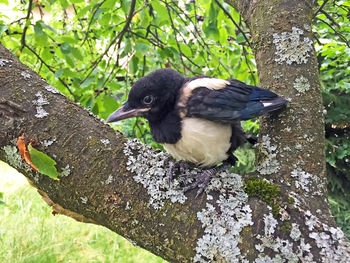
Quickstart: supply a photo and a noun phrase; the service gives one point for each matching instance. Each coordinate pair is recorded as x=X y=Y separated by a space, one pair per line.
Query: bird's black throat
x=167 y=129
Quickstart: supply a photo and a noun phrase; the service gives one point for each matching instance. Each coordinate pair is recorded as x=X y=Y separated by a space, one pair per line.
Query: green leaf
x=104 y=20
x=145 y=17
x=68 y=39
x=162 y=12
x=109 y=104
x=223 y=36
x=104 y=106
x=211 y=29
x=70 y=60
x=127 y=47
x=186 y=50
x=108 y=4
x=38 y=29
x=58 y=73
x=213 y=12
x=126 y=6
x=45 y=164
x=4 y=2
x=87 y=101
x=40 y=35
x=3 y=28
x=48 y=27
x=100 y=82
x=77 y=54
x=83 y=11
x=133 y=64
x=66 y=48
x=64 y=3
x=98 y=12
x=141 y=47
x=240 y=39
x=95 y=109
x=87 y=82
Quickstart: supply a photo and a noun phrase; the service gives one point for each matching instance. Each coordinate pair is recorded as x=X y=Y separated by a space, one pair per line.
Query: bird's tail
x=256 y=108
x=273 y=104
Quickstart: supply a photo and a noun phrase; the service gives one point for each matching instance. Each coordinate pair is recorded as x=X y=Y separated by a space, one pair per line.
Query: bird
x=197 y=119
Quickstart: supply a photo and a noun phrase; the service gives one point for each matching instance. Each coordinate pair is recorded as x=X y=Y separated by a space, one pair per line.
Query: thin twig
x=330 y=18
x=161 y=44
x=82 y=27
x=92 y=18
x=321 y=7
x=234 y=22
x=23 y=38
x=52 y=70
x=18 y=21
x=119 y=37
x=247 y=62
x=336 y=32
x=178 y=44
x=196 y=32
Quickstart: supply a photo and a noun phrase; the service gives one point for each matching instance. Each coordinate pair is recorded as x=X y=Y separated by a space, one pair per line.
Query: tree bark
x=108 y=180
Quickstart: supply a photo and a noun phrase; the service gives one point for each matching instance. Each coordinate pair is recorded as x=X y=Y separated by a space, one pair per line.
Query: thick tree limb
x=110 y=181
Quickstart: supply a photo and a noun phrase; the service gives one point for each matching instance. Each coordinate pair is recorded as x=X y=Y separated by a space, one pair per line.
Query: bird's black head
x=152 y=96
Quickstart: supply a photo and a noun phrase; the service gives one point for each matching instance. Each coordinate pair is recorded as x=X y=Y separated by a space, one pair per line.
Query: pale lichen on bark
x=301 y=84
x=292 y=46
x=39 y=103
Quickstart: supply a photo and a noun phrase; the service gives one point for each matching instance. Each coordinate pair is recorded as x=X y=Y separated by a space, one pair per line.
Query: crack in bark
x=10 y=109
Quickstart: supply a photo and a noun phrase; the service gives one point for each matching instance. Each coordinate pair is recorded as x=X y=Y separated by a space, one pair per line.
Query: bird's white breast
x=203 y=142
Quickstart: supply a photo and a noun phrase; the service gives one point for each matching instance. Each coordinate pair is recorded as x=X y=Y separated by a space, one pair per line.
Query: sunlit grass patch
x=30 y=233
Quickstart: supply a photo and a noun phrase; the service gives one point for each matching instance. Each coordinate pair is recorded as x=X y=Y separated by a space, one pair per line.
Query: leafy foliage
x=332 y=31
x=91 y=53
x=245 y=160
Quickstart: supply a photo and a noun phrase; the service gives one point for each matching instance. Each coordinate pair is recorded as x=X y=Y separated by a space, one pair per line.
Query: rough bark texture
x=120 y=184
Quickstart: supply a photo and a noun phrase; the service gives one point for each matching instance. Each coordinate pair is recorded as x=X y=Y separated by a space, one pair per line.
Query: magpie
x=197 y=119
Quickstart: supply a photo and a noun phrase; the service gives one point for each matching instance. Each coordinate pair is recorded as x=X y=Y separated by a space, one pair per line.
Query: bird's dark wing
x=233 y=101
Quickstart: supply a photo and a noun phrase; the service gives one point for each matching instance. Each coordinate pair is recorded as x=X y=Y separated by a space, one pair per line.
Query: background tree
x=95 y=51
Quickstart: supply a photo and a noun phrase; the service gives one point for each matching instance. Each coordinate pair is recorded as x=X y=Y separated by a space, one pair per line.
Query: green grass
x=30 y=233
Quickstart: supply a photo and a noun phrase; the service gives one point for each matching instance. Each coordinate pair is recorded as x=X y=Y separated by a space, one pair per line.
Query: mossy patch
x=291 y=201
x=287 y=227
x=265 y=191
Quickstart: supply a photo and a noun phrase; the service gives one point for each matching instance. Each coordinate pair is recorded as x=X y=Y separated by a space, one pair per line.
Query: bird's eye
x=148 y=99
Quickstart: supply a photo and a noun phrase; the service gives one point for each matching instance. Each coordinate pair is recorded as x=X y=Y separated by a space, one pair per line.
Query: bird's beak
x=123 y=113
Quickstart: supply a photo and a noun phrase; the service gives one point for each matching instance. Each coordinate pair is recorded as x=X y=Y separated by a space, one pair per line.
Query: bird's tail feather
x=274 y=104
x=255 y=109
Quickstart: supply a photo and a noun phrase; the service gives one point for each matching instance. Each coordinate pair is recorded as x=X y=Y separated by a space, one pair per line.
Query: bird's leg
x=202 y=180
x=251 y=139
x=181 y=165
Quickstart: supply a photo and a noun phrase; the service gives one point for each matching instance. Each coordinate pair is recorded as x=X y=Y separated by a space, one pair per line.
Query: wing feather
x=231 y=102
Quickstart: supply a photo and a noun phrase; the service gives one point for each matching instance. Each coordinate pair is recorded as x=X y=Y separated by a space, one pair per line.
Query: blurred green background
x=29 y=232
